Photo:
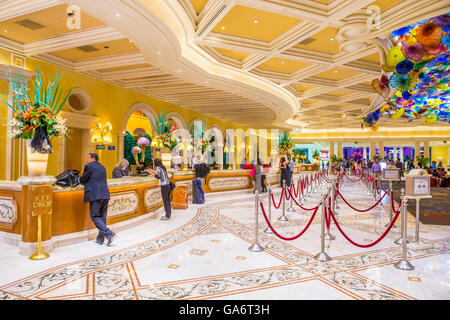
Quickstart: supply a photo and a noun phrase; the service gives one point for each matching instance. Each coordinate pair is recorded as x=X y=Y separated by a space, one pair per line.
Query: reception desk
x=133 y=199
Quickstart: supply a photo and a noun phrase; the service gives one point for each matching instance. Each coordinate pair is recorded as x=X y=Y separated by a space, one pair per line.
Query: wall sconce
x=102 y=134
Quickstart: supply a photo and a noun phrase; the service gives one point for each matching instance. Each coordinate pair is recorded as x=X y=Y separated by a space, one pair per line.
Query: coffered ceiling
x=252 y=62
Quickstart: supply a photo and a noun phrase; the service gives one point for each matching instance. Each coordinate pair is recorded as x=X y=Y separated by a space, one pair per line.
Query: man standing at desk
x=96 y=192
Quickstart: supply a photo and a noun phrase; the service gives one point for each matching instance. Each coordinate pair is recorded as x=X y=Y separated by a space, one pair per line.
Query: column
x=61 y=154
x=381 y=147
x=120 y=145
x=416 y=152
x=331 y=149
x=372 y=150
x=401 y=154
x=364 y=153
x=426 y=149
x=339 y=150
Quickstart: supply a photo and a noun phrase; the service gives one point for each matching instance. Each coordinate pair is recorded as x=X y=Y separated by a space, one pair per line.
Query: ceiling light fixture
x=255 y=21
x=282 y=61
x=223 y=28
x=6 y=30
x=118 y=15
x=335 y=71
x=331 y=38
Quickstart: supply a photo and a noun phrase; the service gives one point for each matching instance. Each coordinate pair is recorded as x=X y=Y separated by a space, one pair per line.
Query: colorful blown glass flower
x=400 y=82
x=429 y=34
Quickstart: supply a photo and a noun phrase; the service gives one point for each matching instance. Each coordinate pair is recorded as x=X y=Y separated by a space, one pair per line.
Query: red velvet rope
x=307 y=209
x=359 y=210
x=392 y=203
x=354 y=181
x=364 y=245
x=286 y=194
x=281 y=198
x=326 y=179
x=298 y=189
x=279 y=235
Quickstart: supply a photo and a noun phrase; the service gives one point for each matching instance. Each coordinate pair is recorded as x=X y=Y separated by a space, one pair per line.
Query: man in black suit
x=96 y=192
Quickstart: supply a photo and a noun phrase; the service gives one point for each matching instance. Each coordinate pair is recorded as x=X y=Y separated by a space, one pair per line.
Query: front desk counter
x=133 y=200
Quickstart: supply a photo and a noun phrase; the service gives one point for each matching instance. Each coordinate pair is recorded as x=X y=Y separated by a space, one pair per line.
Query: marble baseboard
x=10 y=238
x=29 y=248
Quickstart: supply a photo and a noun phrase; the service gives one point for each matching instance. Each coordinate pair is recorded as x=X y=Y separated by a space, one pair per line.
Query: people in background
x=433 y=165
x=358 y=167
x=399 y=165
x=291 y=166
x=283 y=168
x=376 y=168
x=258 y=170
x=164 y=183
x=96 y=192
x=265 y=172
x=201 y=171
x=120 y=170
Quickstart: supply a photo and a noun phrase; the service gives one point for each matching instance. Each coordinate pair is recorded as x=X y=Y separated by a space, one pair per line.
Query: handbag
x=172 y=186
x=68 y=178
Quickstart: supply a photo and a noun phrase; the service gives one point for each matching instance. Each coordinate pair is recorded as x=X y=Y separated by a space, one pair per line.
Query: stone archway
x=140 y=106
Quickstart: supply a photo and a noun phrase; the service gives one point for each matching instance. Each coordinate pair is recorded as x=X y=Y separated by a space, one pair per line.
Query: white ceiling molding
x=10 y=9
x=72 y=40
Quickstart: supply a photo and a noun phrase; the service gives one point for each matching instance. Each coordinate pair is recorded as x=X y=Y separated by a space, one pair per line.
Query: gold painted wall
x=440 y=152
x=110 y=103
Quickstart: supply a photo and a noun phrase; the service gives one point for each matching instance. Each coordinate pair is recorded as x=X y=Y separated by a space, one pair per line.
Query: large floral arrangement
x=36 y=116
x=285 y=144
x=417 y=76
x=164 y=129
x=200 y=140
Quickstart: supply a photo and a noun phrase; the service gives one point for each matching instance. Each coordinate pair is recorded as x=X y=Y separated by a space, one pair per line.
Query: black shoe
x=110 y=239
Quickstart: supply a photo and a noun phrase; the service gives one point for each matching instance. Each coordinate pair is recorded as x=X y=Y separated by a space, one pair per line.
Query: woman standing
x=257 y=176
x=161 y=174
x=283 y=168
x=358 y=167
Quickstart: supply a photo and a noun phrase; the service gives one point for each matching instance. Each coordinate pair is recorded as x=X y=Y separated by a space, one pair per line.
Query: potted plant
x=36 y=117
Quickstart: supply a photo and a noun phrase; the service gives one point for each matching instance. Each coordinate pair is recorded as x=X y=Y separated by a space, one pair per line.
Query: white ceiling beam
x=72 y=40
x=15 y=8
x=119 y=60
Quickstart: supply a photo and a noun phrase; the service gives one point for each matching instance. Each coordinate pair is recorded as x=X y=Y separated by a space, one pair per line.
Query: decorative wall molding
x=8 y=212
x=152 y=197
x=122 y=203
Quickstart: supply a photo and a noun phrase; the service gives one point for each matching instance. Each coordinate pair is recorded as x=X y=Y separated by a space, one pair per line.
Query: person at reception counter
x=121 y=169
x=284 y=173
x=164 y=183
x=96 y=192
x=376 y=168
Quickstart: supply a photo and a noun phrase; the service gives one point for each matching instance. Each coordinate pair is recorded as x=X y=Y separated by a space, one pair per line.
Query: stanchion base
x=404 y=265
x=268 y=231
x=322 y=257
x=256 y=247
x=39 y=256
x=291 y=209
x=283 y=218
x=329 y=236
x=399 y=241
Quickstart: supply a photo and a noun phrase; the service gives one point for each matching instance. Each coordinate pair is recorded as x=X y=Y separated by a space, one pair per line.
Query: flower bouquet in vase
x=36 y=117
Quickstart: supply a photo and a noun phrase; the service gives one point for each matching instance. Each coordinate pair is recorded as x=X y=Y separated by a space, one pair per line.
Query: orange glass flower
x=429 y=34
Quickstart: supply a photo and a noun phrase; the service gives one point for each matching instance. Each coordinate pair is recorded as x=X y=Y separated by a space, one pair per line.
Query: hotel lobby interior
x=354 y=94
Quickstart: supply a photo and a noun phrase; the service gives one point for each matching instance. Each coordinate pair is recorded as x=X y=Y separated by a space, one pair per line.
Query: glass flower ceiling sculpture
x=416 y=84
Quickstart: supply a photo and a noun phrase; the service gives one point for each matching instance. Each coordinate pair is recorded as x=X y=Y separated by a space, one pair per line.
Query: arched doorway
x=136 y=123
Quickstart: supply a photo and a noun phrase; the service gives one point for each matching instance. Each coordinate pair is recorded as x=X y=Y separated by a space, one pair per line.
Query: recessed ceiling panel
x=254 y=24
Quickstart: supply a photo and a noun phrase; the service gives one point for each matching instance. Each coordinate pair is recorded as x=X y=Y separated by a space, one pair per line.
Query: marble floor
x=202 y=253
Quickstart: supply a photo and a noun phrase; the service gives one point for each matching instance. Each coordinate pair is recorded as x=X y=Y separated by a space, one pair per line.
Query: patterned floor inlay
x=207 y=257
